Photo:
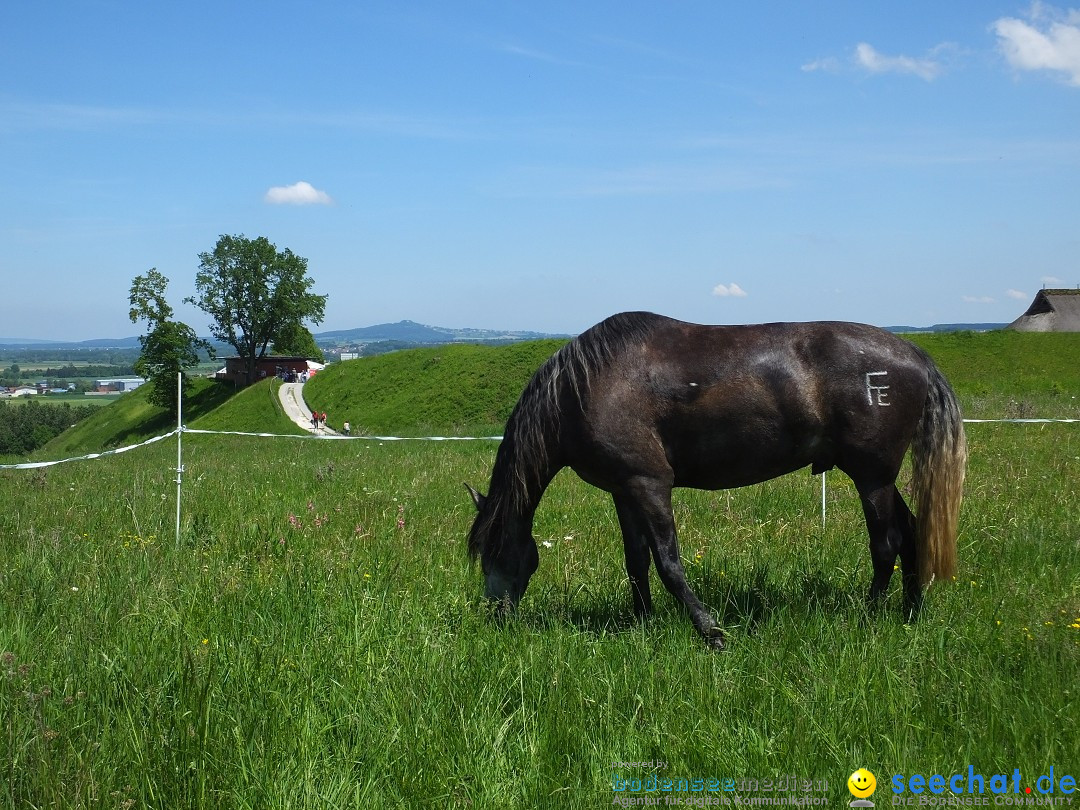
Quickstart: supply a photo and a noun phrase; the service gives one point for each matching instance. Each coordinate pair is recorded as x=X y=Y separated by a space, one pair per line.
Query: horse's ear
x=477 y=498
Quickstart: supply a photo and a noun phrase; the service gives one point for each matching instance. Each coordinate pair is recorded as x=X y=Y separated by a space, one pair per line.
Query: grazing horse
x=641 y=403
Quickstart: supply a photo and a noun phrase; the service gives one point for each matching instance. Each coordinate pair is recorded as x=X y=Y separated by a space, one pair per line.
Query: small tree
x=297 y=341
x=253 y=292
x=169 y=348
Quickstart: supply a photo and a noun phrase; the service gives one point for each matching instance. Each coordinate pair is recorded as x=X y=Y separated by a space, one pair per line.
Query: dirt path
x=292 y=400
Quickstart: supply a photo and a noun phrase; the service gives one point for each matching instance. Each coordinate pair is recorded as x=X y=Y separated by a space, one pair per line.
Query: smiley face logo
x=861 y=783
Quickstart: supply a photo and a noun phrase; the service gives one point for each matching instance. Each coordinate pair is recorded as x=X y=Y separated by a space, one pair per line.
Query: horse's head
x=506 y=548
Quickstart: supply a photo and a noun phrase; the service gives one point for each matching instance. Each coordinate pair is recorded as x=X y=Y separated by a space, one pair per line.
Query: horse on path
x=641 y=403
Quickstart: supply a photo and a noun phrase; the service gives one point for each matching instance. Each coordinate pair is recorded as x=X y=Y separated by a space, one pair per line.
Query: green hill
x=132 y=419
x=1007 y=363
x=452 y=390
x=471 y=390
x=255 y=409
x=212 y=405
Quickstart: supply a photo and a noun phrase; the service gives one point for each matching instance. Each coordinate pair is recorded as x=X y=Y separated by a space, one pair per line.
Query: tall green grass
x=316 y=637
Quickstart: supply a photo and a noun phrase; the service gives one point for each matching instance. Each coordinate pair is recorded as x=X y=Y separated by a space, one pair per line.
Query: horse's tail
x=938 y=458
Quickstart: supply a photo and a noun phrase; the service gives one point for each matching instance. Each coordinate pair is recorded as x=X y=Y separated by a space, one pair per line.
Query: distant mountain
x=113 y=343
x=949 y=327
x=412 y=332
x=96 y=343
x=408 y=331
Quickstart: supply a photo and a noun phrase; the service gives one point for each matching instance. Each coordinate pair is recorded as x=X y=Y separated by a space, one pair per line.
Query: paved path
x=292 y=400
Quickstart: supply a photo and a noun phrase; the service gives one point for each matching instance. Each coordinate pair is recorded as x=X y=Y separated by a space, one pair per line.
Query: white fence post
x=179 y=450
x=823 y=502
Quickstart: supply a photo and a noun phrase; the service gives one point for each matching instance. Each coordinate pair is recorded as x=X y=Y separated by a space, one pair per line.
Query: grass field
x=315 y=638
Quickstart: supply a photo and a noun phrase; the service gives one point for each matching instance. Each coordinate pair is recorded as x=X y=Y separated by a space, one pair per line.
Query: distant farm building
x=19 y=391
x=1051 y=311
x=288 y=368
x=118 y=385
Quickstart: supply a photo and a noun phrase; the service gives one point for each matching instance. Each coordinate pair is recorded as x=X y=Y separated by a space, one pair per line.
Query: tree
x=297 y=341
x=147 y=298
x=254 y=292
x=169 y=347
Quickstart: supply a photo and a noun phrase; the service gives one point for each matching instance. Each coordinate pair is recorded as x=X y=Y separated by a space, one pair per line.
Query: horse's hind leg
x=883 y=523
x=636 y=547
x=647 y=506
x=909 y=561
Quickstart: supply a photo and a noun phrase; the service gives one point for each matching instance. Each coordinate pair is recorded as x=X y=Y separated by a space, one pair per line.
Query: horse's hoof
x=715 y=640
x=911 y=609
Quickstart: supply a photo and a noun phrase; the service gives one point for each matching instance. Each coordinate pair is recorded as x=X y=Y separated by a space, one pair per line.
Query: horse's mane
x=558 y=388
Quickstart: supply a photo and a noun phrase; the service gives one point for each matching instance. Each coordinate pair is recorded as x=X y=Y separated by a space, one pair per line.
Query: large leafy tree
x=169 y=347
x=254 y=293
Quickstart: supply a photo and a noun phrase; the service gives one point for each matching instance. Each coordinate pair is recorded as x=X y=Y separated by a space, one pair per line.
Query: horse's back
x=724 y=406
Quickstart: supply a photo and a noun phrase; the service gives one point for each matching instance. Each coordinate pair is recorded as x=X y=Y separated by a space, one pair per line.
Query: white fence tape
x=339 y=437
x=31 y=465
x=1023 y=421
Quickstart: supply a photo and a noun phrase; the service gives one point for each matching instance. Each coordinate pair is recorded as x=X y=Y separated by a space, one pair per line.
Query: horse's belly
x=731 y=478
x=739 y=464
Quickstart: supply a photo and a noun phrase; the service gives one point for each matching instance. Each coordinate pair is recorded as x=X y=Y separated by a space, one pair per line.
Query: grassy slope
x=131 y=418
x=999 y=371
x=256 y=409
x=453 y=389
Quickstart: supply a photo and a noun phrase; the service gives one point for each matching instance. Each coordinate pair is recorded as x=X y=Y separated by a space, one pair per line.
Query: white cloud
x=830 y=64
x=1052 y=281
x=1049 y=40
x=1019 y=295
x=868 y=58
x=729 y=291
x=297 y=194
x=541 y=56
x=978 y=299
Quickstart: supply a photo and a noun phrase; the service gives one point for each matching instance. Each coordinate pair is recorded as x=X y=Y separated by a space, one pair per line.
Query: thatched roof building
x=1051 y=311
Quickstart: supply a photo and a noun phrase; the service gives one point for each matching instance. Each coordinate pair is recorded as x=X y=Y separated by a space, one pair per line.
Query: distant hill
x=96 y=343
x=410 y=332
x=407 y=332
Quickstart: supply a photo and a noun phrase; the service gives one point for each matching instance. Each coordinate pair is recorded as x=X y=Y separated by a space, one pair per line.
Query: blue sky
x=543 y=165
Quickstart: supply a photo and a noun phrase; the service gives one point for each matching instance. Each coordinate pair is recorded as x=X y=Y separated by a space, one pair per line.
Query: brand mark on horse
x=877 y=394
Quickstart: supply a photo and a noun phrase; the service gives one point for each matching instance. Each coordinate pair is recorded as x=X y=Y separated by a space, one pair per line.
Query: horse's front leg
x=647 y=503
x=636 y=549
